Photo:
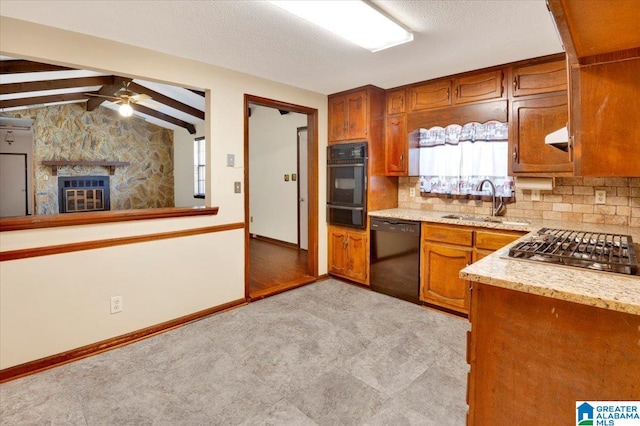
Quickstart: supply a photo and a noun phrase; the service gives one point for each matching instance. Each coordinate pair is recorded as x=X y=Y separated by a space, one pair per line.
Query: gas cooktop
x=591 y=250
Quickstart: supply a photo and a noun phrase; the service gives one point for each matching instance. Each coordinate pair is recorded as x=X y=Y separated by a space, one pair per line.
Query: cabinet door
x=396 y=146
x=337 y=251
x=337 y=118
x=530 y=121
x=395 y=101
x=357 y=123
x=440 y=282
x=478 y=87
x=430 y=95
x=540 y=78
x=358 y=259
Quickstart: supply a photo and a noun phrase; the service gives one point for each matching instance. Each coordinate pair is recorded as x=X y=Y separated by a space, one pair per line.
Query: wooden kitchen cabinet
x=348 y=116
x=349 y=254
x=487 y=241
x=396 y=100
x=430 y=95
x=396 y=146
x=532 y=357
x=478 y=87
x=530 y=120
x=539 y=78
x=445 y=251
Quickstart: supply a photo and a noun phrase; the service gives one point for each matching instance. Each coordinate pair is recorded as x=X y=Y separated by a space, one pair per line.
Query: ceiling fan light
x=125 y=110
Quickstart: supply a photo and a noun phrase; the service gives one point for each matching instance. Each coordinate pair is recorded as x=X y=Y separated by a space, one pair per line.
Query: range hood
x=558 y=139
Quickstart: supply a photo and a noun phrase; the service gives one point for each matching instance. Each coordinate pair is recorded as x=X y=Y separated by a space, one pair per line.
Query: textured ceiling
x=258 y=38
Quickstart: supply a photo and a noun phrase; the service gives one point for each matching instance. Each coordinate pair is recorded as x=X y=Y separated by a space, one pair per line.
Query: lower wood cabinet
x=349 y=253
x=446 y=249
x=441 y=285
x=532 y=357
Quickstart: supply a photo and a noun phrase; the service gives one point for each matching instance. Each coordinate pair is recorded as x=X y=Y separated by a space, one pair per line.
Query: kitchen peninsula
x=544 y=336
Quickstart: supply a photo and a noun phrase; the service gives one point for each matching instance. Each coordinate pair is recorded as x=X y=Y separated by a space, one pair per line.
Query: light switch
x=236 y=187
x=286 y=178
x=231 y=160
x=294 y=177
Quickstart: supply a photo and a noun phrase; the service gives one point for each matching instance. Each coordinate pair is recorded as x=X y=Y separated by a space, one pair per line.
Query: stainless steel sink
x=490 y=219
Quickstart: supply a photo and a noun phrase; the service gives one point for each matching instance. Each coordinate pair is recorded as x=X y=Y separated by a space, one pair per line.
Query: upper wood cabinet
x=396 y=100
x=430 y=95
x=605 y=114
x=348 y=116
x=530 y=120
x=539 y=78
x=396 y=146
x=478 y=87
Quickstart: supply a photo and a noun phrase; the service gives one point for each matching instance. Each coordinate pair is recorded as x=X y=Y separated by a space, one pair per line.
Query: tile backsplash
x=572 y=199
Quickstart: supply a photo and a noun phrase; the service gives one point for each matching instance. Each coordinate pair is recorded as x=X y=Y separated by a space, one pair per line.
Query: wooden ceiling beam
x=170 y=102
x=164 y=117
x=39 y=100
x=65 y=83
x=106 y=90
x=21 y=66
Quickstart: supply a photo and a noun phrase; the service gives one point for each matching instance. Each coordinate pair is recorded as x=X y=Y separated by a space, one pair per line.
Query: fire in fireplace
x=83 y=194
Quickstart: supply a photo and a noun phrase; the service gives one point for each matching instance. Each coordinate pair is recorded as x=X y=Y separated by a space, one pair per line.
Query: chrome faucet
x=495 y=211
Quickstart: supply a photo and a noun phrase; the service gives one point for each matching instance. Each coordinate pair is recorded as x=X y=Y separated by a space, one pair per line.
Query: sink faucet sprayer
x=495 y=211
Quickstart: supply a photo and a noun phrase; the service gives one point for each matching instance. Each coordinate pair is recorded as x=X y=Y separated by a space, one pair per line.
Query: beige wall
x=42 y=312
x=572 y=199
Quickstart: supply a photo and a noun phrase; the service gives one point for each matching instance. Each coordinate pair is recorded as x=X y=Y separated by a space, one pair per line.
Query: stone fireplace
x=83 y=194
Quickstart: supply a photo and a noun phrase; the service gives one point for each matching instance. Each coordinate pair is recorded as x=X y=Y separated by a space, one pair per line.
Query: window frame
x=199 y=167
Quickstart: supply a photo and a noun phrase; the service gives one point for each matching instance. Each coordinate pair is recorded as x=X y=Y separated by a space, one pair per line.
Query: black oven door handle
x=346 y=165
x=330 y=206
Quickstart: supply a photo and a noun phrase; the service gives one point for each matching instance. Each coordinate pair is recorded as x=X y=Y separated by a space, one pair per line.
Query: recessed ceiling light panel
x=353 y=20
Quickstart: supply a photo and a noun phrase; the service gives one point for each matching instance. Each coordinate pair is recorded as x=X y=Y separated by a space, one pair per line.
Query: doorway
x=281 y=197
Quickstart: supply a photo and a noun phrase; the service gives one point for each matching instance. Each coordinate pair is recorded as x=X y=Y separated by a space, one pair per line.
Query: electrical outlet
x=231 y=160
x=237 y=188
x=601 y=196
x=535 y=195
x=412 y=192
x=116 y=304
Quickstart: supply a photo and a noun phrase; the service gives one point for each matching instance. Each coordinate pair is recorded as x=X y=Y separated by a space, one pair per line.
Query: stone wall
x=69 y=132
x=572 y=199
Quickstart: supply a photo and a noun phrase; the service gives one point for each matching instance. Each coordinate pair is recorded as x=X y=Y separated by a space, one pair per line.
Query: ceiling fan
x=125 y=98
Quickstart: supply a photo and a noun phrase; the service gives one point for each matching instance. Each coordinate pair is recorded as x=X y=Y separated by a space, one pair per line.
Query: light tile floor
x=325 y=354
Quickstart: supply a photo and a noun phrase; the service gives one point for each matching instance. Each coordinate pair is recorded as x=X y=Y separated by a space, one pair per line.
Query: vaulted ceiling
x=26 y=84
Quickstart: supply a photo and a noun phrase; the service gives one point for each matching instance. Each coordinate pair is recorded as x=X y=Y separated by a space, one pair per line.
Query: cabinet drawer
x=487 y=240
x=445 y=234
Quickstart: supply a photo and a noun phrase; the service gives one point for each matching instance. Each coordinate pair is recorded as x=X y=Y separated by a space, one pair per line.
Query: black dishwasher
x=395 y=258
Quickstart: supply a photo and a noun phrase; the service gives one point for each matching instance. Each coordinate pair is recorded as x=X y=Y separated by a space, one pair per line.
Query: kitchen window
x=199 y=167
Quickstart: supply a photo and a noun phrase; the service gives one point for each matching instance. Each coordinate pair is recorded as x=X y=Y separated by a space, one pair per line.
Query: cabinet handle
x=516 y=82
x=448 y=93
x=457 y=91
x=401 y=158
x=515 y=153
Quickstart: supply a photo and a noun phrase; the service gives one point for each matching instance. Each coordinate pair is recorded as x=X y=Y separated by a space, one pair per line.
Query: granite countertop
x=612 y=291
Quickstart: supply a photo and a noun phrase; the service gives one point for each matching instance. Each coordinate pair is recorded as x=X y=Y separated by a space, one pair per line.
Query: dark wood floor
x=274 y=268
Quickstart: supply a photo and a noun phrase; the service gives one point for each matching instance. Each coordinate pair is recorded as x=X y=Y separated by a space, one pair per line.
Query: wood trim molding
x=92 y=218
x=97 y=244
x=42 y=364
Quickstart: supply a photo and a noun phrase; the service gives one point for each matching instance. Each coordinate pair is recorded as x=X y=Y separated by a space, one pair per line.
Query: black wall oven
x=347 y=184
